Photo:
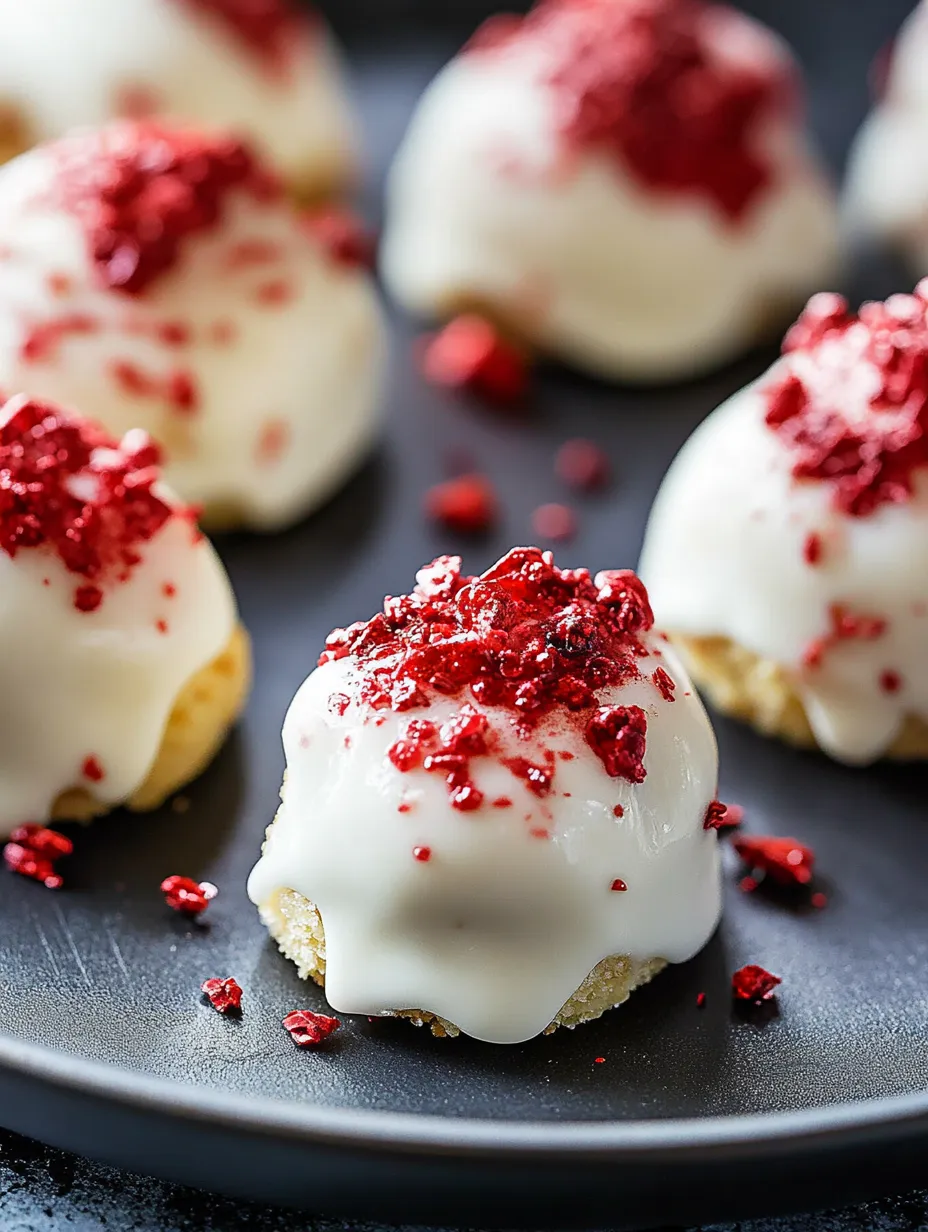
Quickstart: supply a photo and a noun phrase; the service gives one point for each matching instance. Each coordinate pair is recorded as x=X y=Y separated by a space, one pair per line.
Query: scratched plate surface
x=103 y=971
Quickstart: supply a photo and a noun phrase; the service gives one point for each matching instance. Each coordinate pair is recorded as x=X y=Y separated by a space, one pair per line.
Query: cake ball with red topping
x=161 y=277
x=623 y=183
x=496 y=815
x=264 y=69
x=887 y=182
x=787 y=551
x=123 y=663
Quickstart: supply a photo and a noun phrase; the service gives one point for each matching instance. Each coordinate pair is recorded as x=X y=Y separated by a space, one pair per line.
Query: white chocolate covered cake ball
x=787 y=551
x=122 y=663
x=160 y=277
x=623 y=183
x=494 y=818
x=886 y=193
x=263 y=69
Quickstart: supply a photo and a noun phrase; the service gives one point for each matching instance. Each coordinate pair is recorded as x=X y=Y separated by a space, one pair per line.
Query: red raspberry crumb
x=343 y=237
x=618 y=811
x=466 y=505
x=182 y=391
x=721 y=816
x=273 y=440
x=700 y=1000
x=44 y=842
x=307 y=1028
x=784 y=860
x=555 y=522
x=844 y=626
x=224 y=995
x=664 y=683
x=890 y=681
x=819 y=900
x=753 y=983
x=274 y=293
x=618 y=885
x=186 y=895
x=91 y=769
x=617 y=735
x=599 y=1060
x=28 y=863
x=422 y=854
x=469 y=353
x=812 y=549
x=582 y=465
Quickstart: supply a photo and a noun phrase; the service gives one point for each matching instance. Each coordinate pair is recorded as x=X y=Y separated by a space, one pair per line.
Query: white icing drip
x=723 y=556
x=64 y=65
x=310 y=364
x=100 y=684
x=625 y=281
x=499 y=928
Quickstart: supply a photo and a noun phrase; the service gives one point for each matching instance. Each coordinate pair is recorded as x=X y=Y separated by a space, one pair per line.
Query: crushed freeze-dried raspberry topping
x=851 y=401
x=466 y=504
x=526 y=636
x=844 y=626
x=470 y=353
x=784 y=860
x=308 y=1028
x=721 y=816
x=140 y=190
x=268 y=29
x=223 y=995
x=654 y=84
x=33 y=851
x=67 y=486
x=186 y=895
x=753 y=983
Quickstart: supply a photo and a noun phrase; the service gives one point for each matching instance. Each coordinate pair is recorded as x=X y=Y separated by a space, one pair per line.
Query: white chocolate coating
x=65 y=65
x=723 y=556
x=100 y=684
x=287 y=390
x=588 y=262
x=886 y=193
x=499 y=928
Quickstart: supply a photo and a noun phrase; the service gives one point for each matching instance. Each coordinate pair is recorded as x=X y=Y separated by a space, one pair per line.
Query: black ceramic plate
x=105 y=1047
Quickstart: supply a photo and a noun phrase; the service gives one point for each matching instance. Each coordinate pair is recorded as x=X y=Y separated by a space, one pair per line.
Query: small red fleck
x=555 y=522
x=343 y=237
x=136 y=101
x=819 y=900
x=59 y=284
x=222 y=332
x=465 y=505
x=338 y=703
x=812 y=548
x=169 y=590
x=91 y=769
x=42 y=341
x=44 y=842
x=161 y=626
x=582 y=465
x=664 y=683
x=277 y=291
x=566 y=755
x=88 y=598
x=186 y=895
x=502 y=802
x=618 y=811
x=273 y=440
x=224 y=995
x=174 y=333
x=748 y=885
x=404 y=807
x=469 y=353
x=539 y=832
x=784 y=860
x=422 y=854
x=753 y=983
x=182 y=391
x=132 y=380
x=890 y=681
x=599 y=1060
x=618 y=885
x=700 y=1000
x=307 y=1028
x=46 y=581
x=721 y=816
x=617 y=735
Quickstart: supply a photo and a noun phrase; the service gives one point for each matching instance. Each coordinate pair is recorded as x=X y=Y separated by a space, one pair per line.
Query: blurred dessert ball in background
x=264 y=69
x=626 y=184
x=162 y=277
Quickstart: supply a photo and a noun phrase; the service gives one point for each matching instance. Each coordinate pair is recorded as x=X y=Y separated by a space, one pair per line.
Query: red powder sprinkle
x=868 y=459
x=466 y=505
x=186 y=895
x=270 y=30
x=469 y=353
x=753 y=983
x=890 y=681
x=307 y=1029
x=224 y=995
x=422 y=854
x=41 y=342
x=555 y=522
x=91 y=769
x=46 y=458
x=664 y=683
x=700 y=1000
x=644 y=82
x=582 y=465
x=784 y=860
x=721 y=816
x=343 y=237
x=618 y=885
x=538 y=779
x=617 y=736
x=618 y=811
x=141 y=189
x=819 y=900
x=845 y=626
x=812 y=549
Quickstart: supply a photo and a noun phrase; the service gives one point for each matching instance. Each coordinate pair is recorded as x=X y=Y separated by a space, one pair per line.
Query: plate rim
x=473 y=1138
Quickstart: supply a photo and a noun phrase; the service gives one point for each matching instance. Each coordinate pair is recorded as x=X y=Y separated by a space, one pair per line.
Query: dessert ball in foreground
x=787 y=551
x=122 y=663
x=160 y=277
x=623 y=183
x=493 y=819
x=886 y=194
x=265 y=70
